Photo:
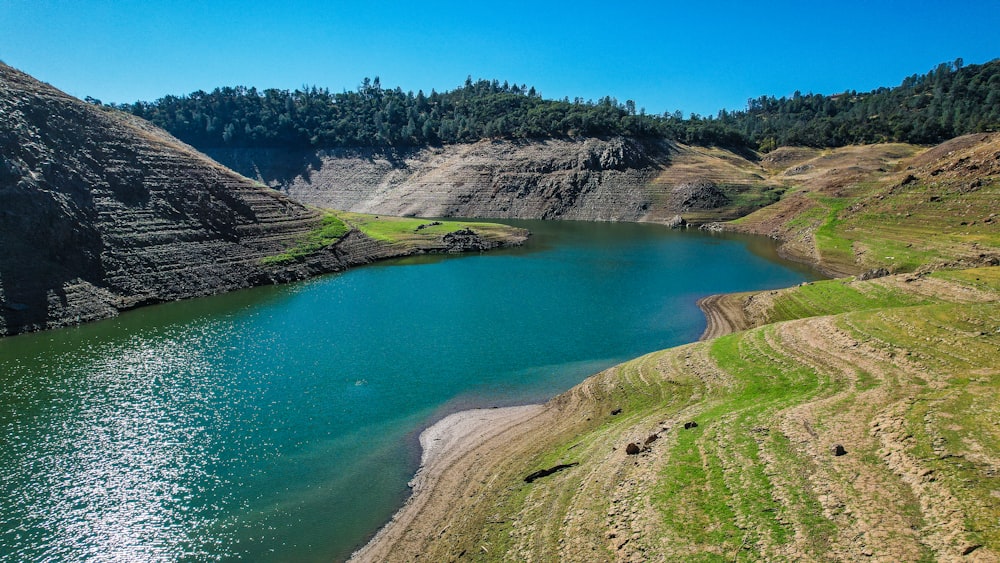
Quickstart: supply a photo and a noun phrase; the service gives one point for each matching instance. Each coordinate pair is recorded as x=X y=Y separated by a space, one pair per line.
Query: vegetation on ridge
x=951 y=100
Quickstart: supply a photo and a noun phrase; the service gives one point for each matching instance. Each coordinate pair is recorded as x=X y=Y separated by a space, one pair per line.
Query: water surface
x=278 y=423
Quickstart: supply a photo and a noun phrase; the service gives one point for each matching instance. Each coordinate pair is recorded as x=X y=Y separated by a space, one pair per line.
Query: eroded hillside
x=614 y=179
x=886 y=206
x=842 y=420
x=103 y=212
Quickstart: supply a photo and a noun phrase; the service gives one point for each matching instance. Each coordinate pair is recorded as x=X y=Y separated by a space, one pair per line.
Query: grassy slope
x=906 y=382
x=899 y=207
x=417 y=232
x=404 y=233
x=900 y=370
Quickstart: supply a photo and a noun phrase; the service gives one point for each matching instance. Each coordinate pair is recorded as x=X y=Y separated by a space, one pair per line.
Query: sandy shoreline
x=442 y=444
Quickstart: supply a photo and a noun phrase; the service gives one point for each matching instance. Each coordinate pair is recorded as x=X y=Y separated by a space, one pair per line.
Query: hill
x=612 y=179
x=886 y=206
x=950 y=100
x=104 y=212
x=846 y=419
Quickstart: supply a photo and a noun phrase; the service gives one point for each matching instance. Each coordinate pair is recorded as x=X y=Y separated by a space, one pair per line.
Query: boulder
x=676 y=222
x=874 y=274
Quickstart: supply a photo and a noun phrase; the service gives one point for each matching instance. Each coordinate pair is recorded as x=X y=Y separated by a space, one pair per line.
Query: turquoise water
x=279 y=423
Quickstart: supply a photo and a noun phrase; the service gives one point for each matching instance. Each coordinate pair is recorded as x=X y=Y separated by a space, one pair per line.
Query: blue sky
x=696 y=56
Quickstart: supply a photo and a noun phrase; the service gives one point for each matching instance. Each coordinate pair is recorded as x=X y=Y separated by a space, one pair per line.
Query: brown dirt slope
x=614 y=179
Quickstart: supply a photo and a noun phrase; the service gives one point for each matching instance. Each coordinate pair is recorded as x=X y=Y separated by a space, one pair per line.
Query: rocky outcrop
x=613 y=179
x=701 y=194
x=465 y=240
x=102 y=212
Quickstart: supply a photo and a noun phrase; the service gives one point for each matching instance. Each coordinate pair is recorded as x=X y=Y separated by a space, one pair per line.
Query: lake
x=280 y=423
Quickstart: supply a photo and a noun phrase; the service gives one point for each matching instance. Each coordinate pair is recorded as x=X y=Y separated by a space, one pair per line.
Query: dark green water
x=279 y=423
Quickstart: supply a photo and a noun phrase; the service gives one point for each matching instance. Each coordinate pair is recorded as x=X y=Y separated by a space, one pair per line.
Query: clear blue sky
x=696 y=56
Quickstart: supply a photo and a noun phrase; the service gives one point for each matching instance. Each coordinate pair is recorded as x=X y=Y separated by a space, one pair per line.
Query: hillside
x=853 y=418
x=950 y=100
x=613 y=179
x=886 y=206
x=104 y=212
x=900 y=373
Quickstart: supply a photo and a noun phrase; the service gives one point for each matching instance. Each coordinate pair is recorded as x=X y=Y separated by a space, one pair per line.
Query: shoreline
x=724 y=314
x=442 y=444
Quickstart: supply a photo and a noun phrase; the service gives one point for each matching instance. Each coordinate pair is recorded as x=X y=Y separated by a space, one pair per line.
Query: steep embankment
x=616 y=179
x=899 y=372
x=104 y=212
x=886 y=206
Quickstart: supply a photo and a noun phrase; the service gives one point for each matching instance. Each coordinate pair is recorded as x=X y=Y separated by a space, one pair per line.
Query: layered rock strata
x=103 y=212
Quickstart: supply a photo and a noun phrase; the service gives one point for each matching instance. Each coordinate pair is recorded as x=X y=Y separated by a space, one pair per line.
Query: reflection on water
x=277 y=423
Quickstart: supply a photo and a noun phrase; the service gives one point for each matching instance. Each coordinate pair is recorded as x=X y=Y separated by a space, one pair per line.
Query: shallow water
x=278 y=423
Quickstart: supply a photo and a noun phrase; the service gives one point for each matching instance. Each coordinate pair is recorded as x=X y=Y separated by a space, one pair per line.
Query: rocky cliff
x=102 y=212
x=614 y=179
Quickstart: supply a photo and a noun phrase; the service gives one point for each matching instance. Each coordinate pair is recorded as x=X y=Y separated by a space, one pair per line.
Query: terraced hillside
x=848 y=419
x=613 y=179
x=861 y=423
x=886 y=206
x=104 y=212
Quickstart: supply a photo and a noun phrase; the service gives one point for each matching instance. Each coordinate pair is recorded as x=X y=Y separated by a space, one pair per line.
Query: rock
x=632 y=449
x=423 y=226
x=874 y=274
x=676 y=222
x=837 y=450
x=701 y=195
x=652 y=438
x=588 y=179
x=464 y=240
x=690 y=425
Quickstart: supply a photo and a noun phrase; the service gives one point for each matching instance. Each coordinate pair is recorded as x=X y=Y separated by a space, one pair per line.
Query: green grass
x=404 y=232
x=407 y=231
x=985 y=279
x=718 y=492
x=331 y=229
x=830 y=297
x=833 y=247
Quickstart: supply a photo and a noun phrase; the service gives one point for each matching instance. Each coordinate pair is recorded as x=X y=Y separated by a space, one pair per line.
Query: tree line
x=950 y=100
